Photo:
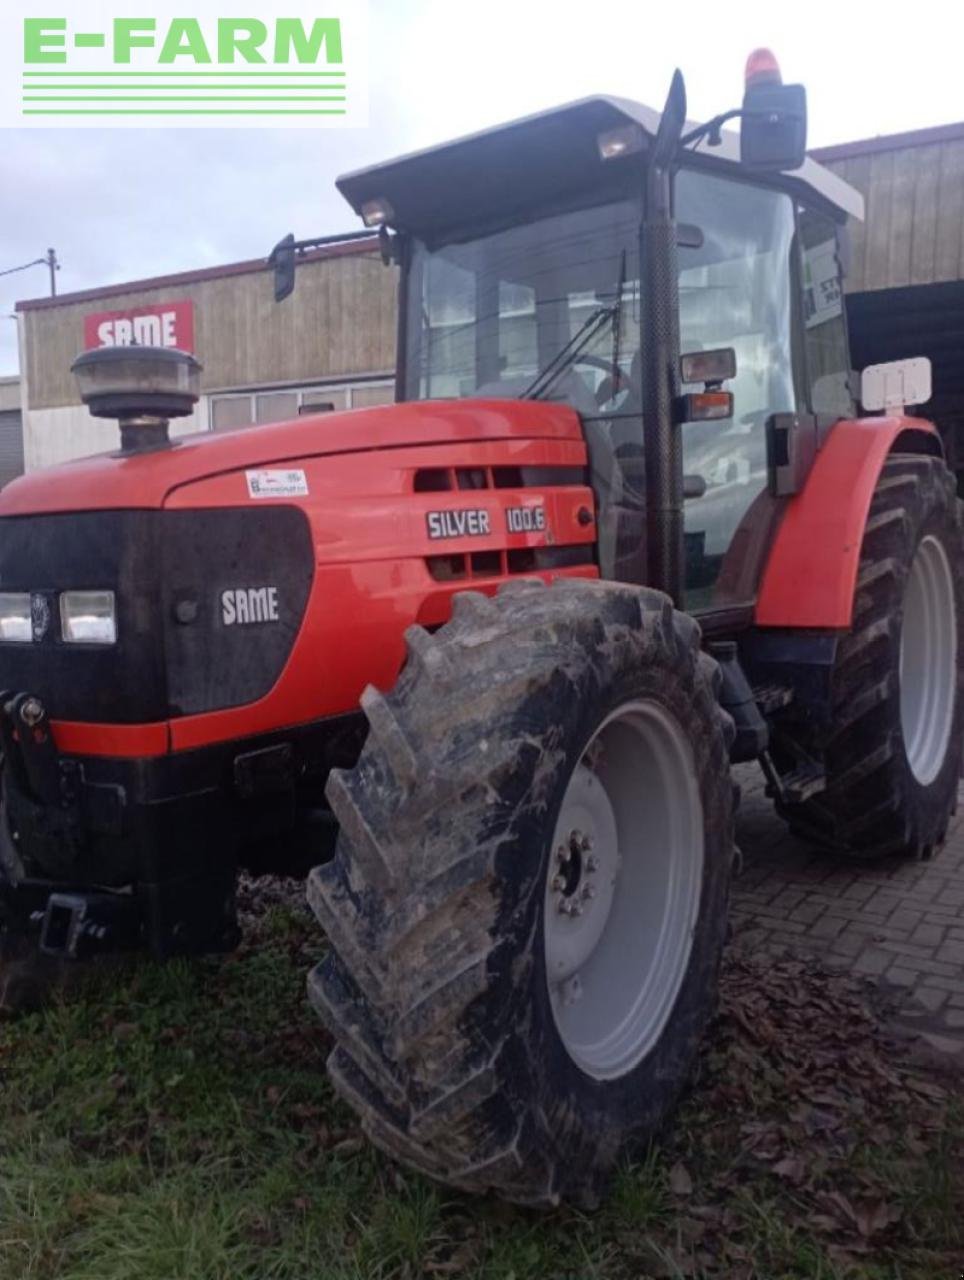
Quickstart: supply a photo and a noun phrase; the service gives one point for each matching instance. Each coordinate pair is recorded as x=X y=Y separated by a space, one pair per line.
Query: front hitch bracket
x=79 y=925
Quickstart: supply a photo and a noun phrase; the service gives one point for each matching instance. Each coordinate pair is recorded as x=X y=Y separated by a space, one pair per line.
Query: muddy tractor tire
x=892 y=748
x=527 y=905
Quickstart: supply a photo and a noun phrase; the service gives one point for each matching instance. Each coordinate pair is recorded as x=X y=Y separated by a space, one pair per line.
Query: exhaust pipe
x=662 y=443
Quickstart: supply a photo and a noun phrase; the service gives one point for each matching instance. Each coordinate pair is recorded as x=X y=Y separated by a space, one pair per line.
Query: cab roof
x=537 y=161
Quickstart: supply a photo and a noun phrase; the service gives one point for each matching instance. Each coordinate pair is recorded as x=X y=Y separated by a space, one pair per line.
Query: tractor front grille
x=505 y=563
x=447 y=479
x=184 y=644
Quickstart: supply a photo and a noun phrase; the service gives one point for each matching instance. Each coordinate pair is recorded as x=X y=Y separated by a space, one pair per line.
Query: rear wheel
x=892 y=751
x=527 y=905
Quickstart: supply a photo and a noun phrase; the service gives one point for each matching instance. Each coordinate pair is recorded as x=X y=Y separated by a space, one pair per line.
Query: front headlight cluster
x=86 y=617
x=15 y=616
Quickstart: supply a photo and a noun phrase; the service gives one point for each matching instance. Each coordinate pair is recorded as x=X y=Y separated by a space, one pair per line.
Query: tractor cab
x=527 y=273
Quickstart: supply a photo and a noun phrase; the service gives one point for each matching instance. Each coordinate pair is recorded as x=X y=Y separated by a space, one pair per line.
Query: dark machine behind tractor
x=477 y=664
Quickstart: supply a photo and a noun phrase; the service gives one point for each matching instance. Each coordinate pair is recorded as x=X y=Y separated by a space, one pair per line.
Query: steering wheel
x=606 y=391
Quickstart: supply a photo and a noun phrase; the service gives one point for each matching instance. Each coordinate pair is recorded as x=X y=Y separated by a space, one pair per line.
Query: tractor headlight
x=15 y=616
x=88 y=617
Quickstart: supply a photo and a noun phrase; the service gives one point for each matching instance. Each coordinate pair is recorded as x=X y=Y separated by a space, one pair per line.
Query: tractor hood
x=116 y=481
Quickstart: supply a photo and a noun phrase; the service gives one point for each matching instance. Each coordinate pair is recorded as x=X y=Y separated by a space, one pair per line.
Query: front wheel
x=527 y=905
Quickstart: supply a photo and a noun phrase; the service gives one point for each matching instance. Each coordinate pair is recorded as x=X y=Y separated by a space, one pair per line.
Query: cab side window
x=825 y=330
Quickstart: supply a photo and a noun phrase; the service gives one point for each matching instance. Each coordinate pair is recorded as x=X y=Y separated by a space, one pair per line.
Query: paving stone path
x=900 y=924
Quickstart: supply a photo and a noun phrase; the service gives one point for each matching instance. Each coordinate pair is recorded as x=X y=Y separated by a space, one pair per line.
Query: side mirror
x=773 y=128
x=282 y=258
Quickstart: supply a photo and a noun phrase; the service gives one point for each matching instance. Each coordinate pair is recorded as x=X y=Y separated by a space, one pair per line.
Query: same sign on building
x=164 y=324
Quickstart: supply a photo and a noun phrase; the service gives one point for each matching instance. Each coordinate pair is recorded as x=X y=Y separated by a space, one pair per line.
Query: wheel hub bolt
x=571 y=990
x=592 y=863
x=558 y=883
x=588 y=892
x=578 y=843
x=31 y=712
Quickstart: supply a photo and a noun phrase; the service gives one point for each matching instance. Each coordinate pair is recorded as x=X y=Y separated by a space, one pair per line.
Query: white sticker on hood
x=277 y=484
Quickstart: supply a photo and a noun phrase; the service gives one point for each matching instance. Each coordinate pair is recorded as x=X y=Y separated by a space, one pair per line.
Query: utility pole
x=49 y=260
x=54 y=265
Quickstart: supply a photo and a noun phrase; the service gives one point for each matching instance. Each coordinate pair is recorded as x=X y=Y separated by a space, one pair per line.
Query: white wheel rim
x=623 y=889
x=928 y=660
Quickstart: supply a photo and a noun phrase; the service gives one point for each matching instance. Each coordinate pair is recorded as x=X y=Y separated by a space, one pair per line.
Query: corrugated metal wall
x=9 y=394
x=11 y=445
x=11 y=430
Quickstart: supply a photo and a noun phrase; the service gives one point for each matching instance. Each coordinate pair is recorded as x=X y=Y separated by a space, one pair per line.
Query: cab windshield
x=548 y=309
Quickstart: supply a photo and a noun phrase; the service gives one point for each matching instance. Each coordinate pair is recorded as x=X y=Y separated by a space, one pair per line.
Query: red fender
x=811 y=574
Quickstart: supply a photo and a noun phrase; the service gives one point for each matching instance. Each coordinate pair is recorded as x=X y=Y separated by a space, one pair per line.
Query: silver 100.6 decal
x=476 y=522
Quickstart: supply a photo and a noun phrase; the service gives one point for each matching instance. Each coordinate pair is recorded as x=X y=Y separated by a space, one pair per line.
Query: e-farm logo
x=281 y=63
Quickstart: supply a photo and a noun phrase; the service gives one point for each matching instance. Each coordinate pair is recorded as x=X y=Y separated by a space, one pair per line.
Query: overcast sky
x=123 y=204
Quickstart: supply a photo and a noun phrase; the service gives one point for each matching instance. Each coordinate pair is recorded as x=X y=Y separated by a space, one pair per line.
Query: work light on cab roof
x=376 y=213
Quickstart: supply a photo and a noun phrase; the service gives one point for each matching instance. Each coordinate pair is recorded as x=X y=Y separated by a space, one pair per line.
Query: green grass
x=176 y=1123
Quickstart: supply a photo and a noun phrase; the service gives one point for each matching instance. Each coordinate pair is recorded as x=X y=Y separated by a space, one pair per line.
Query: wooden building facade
x=905 y=276
x=331 y=345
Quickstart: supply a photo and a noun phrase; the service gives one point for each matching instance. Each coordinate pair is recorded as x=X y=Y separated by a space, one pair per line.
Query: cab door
x=738 y=289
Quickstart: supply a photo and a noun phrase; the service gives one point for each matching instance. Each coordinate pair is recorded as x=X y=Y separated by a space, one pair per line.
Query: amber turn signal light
x=705 y=406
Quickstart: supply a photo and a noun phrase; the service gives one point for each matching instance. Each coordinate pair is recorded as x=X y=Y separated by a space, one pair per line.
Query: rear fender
x=811 y=573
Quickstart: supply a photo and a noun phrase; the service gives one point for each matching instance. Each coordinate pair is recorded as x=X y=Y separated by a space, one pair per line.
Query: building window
x=275 y=406
x=367 y=396
x=230 y=411
x=236 y=409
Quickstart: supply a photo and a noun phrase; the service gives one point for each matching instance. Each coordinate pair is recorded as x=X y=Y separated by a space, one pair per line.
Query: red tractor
x=477 y=663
